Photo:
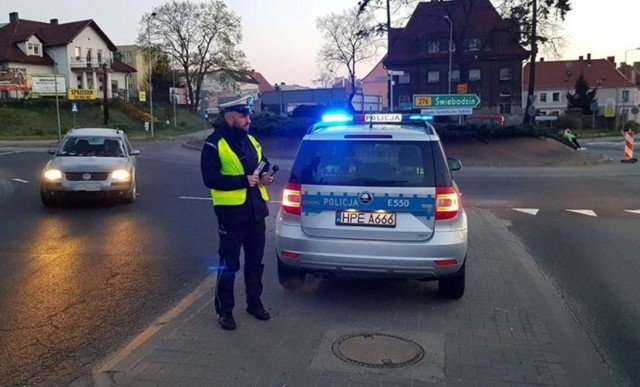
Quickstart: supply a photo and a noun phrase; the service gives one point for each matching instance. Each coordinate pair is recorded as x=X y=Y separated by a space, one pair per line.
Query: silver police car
x=373 y=195
x=90 y=162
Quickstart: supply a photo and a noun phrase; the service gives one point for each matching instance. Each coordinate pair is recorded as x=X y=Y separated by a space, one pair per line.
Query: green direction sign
x=445 y=101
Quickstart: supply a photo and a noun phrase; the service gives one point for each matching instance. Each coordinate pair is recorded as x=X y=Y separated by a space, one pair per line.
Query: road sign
x=74 y=107
x=609 y=108
x=462 y=88
x=445 y=101
x=447 y=111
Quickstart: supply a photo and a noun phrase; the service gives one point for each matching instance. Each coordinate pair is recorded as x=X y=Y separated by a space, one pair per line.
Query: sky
x=281 y=41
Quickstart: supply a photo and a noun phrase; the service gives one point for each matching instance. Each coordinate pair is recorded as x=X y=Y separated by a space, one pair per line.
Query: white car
x=90 y=163
x=373 y=195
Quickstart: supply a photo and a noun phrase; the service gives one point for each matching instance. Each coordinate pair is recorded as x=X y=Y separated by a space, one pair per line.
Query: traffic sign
x=74 y=107
x=447 y=111
x=445 y=100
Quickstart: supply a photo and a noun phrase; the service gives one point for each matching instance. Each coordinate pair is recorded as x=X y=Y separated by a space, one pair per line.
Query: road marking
x=9 y=153
x=530 y=211
x=21 y=181
x=584 y=212
x=633 y=211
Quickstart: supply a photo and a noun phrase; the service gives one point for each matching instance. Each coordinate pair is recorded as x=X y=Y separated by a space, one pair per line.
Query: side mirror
x=454 y=164
x=51 y=151
x=134 y=152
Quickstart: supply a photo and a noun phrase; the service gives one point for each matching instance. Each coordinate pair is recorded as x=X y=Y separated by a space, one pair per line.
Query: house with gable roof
x=554 y=79
x=38 y=58
x=486 y=57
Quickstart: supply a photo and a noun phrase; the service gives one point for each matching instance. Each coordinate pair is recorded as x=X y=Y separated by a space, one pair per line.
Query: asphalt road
x=79 y=282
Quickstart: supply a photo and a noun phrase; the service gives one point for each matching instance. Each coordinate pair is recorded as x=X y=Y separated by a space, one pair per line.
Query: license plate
x=89 y=187
x=367 y=219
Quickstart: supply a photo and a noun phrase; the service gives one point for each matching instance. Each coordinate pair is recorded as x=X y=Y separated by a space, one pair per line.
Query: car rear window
x=365 y=163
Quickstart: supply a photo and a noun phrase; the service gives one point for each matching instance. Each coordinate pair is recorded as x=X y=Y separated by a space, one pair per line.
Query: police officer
x=230 y=168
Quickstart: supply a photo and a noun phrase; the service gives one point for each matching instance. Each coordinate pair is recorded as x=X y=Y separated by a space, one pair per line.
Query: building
x=134 y=56
x=485 y=57
x=376 y=83
x=74 y=59
x=554 y=79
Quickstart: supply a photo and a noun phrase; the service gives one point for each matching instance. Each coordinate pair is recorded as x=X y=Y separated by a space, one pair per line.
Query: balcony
x=88 y=62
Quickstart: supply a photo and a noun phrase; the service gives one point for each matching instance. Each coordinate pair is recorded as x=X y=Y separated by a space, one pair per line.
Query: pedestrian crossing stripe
x=633 y=211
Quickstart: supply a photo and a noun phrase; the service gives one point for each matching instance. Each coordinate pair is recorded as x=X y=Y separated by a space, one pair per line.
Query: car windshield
x=366 y=163
x=91 y=146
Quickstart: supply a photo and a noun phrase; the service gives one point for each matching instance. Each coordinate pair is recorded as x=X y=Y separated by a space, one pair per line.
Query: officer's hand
x=253 y=180
x=266 y=179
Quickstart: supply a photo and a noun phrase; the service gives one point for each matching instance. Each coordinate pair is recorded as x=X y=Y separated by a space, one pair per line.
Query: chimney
x=612 y=59
x=589 y=59
x=580 y=57
x=542 y=59
x=54 y=22
x=13 y=17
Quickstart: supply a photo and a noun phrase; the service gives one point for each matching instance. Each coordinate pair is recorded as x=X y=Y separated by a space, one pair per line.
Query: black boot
x=227 y=322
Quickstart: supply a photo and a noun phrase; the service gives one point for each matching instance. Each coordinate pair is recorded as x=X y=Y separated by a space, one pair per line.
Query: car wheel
x=289 y=277
x=130 y=196
x=47 y=199
x=452 y=287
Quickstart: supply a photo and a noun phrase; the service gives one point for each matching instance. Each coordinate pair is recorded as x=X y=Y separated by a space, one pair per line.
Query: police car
x=373 y=195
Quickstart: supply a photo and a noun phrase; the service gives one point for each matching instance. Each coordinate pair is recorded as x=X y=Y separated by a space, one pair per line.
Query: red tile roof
x=263 y=85
x=50 y=34
x=563 y=74
x=122 y=67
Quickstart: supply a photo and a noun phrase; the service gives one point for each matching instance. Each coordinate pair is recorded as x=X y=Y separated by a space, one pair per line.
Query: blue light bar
x=420 y=117
x=337 y=117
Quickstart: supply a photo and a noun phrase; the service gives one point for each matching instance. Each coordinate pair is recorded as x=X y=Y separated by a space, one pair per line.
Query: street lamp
x=153 y=14
x=447 y=18
x=55 y=86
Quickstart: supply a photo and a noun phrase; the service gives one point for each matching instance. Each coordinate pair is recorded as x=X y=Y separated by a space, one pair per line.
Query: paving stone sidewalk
x=510 y=329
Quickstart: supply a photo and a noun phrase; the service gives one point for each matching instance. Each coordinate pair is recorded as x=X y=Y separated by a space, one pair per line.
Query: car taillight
x=447 y=203
x=291 y=199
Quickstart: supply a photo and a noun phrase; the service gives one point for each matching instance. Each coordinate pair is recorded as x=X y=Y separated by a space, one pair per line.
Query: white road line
x=21 y=181
x=633 y=211
x=10 y=153
x=584 y=212
x=530 y=211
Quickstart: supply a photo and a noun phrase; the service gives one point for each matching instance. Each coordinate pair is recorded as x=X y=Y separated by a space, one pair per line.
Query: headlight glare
x=52 y=174
x=120 y=175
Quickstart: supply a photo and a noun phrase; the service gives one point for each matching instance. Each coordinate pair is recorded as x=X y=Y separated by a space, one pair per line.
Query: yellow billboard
x=81 y=94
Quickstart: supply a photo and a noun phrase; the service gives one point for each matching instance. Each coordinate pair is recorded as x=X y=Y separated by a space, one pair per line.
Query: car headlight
x=120 y=175
x=52 y=175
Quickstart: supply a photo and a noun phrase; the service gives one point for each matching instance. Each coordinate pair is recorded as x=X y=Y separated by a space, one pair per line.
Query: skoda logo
x=365 y=198
x=86 y=176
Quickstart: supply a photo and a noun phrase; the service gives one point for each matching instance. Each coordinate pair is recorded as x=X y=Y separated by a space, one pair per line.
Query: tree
x=346 y=42
x=583 y=97
x=530 y=14
x=199 y=38
x=324 y=78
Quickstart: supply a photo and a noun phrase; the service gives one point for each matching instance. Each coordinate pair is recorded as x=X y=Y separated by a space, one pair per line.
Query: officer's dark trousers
x=251 y=237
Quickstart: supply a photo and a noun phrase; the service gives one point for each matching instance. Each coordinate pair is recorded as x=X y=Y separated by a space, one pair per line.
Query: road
x=79 y=282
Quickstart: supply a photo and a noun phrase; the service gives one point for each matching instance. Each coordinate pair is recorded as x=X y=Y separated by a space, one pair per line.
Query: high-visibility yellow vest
x=231 y=166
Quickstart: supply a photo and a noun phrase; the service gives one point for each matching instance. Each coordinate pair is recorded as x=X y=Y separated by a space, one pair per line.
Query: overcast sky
x=281 y=40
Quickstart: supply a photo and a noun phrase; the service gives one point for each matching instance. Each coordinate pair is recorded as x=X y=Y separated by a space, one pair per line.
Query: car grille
x=94 y=176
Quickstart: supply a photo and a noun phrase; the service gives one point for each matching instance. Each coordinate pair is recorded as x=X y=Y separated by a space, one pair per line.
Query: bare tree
x=324 y=78
x=347 y=42
x=201 y=38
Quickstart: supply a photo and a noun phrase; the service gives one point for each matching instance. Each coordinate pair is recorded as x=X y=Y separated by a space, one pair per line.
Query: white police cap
x=240 y=105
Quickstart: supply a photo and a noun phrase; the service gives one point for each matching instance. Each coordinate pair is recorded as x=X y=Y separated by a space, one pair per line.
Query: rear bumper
x=371 y=257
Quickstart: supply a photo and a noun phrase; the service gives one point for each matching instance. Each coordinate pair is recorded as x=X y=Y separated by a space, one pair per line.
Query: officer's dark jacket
x=254 y=207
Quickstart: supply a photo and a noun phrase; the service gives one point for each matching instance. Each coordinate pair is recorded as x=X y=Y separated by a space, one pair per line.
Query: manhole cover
x=377 y=350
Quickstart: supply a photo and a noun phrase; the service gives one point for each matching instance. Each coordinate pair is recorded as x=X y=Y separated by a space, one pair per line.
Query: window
x=504 y=108
x=474 y=44
x=474 y=75
x=543 y=97
x=433 y=76
x=625 y=95
x=404 y=79
x=404 y=102
x=33 y=49
x=455 y=75
x=433 y=47
x=505 y=74
x=78 y=52
x=99 y=54
x=505 y=93
x=555 y=97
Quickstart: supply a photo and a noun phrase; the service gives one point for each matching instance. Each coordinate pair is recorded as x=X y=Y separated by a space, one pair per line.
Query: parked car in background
x=90 y=163
x=489 y=120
